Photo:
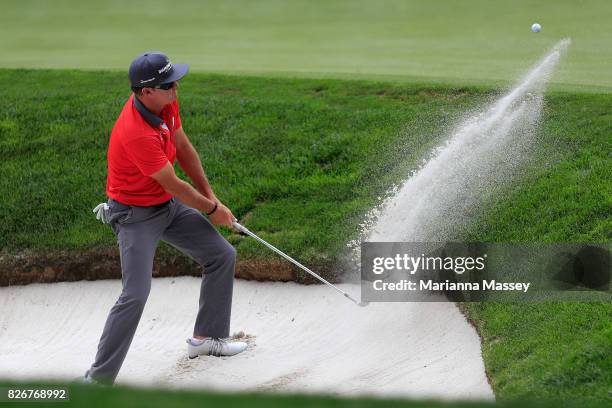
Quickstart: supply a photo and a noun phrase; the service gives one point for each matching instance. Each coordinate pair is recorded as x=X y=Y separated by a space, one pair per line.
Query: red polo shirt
x=140 y=145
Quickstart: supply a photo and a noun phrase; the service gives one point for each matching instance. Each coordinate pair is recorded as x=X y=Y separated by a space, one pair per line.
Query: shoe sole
x=198 y=355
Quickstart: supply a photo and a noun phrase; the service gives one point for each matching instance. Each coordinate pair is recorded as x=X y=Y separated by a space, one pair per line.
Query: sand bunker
x=301 y=339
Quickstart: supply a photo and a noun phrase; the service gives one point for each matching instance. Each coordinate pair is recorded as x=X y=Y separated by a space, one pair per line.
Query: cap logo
x=143 y=81
x=165 y=69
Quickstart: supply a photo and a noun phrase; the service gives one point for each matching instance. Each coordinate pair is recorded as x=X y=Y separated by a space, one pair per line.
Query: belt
x=162 y=205
x=157 y=206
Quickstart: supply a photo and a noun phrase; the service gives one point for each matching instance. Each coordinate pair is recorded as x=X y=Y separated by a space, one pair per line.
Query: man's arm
x=182 y=190
x=189 y=160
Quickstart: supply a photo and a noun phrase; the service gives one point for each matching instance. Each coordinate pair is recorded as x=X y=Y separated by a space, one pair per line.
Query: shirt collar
x=149 y=116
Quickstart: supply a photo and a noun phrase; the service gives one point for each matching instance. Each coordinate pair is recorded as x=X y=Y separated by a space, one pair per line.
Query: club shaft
x=290 y=259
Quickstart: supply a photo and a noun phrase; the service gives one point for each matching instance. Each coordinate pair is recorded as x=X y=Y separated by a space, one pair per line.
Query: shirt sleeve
x=147 y=154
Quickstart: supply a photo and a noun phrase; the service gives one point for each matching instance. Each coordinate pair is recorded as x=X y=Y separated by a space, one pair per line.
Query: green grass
x=118 y=396
x=467 y=42
x=549 y=350
x=299 y=161
x=302 y=160
x=565 y=193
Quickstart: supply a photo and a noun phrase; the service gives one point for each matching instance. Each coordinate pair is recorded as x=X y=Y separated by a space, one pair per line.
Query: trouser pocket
x=119 y=214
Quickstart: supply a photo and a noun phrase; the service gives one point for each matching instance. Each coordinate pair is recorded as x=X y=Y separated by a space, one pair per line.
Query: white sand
x=306 y=339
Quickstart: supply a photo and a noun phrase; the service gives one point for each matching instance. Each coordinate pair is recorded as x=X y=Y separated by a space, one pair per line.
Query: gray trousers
x=139 y=230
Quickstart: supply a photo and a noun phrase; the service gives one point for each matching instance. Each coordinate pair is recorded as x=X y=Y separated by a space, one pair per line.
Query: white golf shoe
x=214 y=347
x=87 y=379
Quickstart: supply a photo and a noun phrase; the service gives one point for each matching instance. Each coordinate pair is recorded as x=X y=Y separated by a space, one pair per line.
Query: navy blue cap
x=154 y=68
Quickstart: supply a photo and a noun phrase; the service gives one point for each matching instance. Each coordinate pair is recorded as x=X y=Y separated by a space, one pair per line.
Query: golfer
x=148 y=203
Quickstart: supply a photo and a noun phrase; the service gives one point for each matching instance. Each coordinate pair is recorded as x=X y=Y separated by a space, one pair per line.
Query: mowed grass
x=96 y=396
x=466 y=42
x=554 y=349
x=300 y=161
x=565 y=192
x=547 y=350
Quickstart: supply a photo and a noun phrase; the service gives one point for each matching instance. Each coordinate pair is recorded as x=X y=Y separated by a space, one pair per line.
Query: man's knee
x=229 y=256
x=224 y=256
x=136 y=297
x=230 y=253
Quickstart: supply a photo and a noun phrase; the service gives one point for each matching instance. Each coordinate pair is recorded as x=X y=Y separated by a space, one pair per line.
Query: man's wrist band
x=214 y=209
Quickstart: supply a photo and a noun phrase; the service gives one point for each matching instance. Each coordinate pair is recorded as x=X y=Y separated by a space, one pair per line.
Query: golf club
x=246 y=231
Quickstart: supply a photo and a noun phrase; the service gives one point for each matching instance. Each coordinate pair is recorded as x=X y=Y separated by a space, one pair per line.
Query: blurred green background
x=463 y=42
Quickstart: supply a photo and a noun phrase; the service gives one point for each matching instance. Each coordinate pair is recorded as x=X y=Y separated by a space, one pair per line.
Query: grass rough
x=300 y=161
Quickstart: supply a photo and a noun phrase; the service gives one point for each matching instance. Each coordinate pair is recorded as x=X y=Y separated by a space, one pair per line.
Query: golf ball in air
x=536 y=28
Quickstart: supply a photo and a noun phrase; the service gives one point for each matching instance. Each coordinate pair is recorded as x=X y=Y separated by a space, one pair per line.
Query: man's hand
x=222 y=216
x=182 y=190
